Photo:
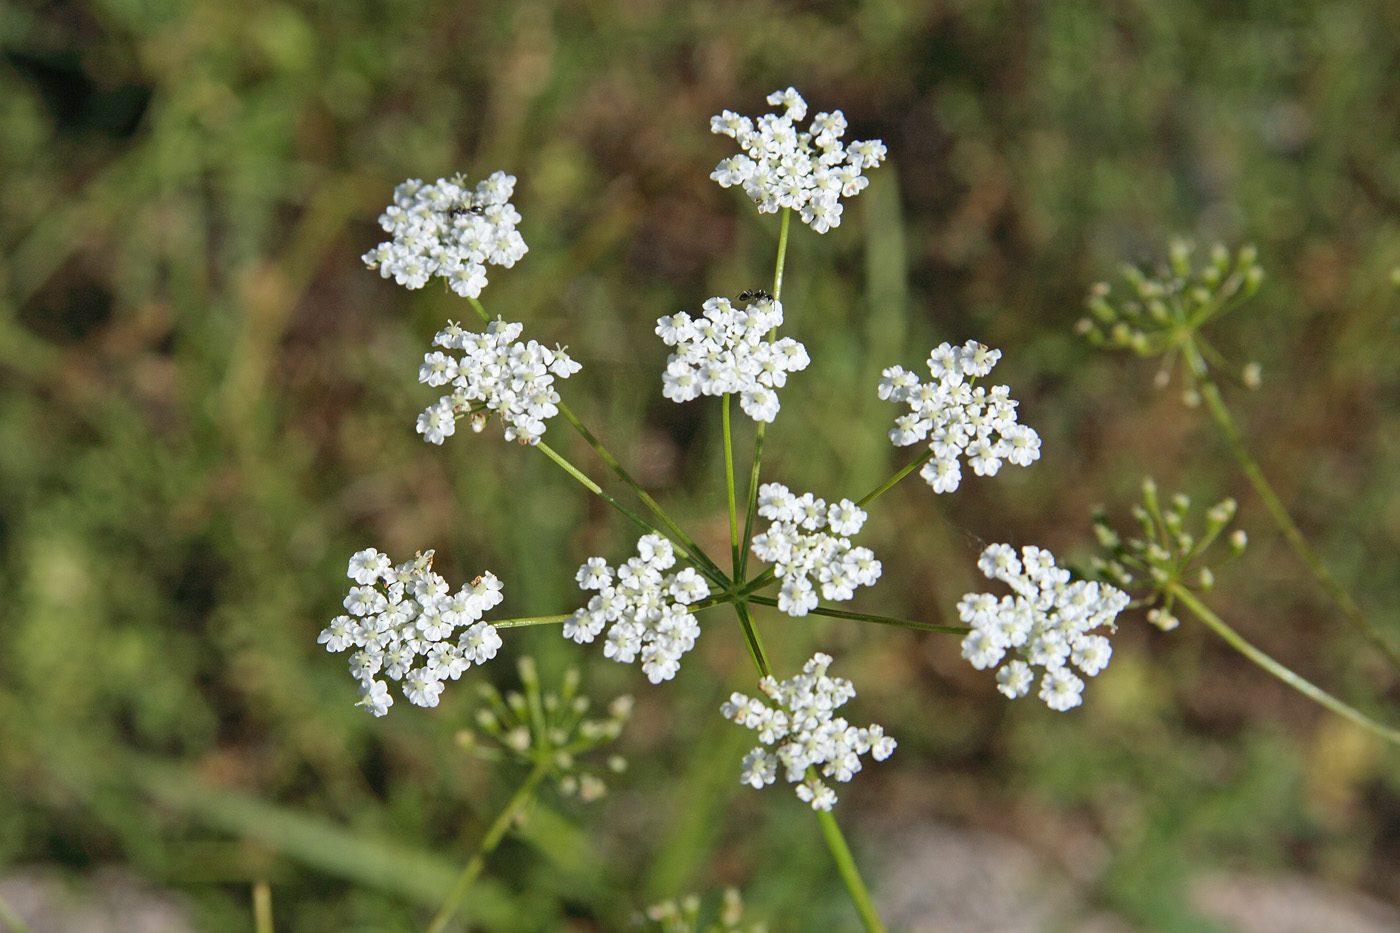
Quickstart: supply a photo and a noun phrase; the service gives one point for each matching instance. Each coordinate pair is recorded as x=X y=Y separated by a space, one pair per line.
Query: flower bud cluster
x=1168 y=554
x=727 y=351
x=495 y=373
x=645 y=607
x=797 y=717
x=540 y=726
x=1164 y=311
x=683 y=916
x=957 y=418
x=444 y=230
x=1046 y=625
x=402 y=616
x=804 y=556
x=807 y=171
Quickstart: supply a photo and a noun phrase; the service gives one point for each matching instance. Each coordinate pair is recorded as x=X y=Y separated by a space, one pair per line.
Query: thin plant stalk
x=690 y=552
x=762 y=425
x=522 y=797
x=698 y=556
x=734 y=539
x=1237 y=641
x=262 y=907
x=846 y=866
x=1310 y=558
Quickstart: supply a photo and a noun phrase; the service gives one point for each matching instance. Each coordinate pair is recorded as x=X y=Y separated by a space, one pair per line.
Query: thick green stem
x=523 y=795
x=1317 y=695
x=846 y=866
x=691 y=550
x=1290 y=531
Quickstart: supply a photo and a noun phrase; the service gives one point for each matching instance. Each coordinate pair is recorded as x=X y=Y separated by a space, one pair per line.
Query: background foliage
x=207 y=406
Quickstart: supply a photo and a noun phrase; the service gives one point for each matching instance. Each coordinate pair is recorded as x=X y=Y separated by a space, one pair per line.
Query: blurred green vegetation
x=206 y=404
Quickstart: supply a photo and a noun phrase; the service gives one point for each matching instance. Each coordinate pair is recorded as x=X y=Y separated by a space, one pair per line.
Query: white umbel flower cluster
x=957 y=418
x=807 y=171
x=645 y=607
x=496 y=374
x=442 y=229
x=727 y=351
x=797 y=717
x=1046 y=625
x=804 y=556
x=403 y=621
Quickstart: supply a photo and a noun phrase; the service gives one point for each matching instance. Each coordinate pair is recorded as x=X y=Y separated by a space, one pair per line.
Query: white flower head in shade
x=782 y=166
x=442 y=229
x=1047 y=626
x=959 y=419
x=727 y=351
x=808 y=548
x=643 y=607
x=407 y=626
x=495 y=374
x=795 y=719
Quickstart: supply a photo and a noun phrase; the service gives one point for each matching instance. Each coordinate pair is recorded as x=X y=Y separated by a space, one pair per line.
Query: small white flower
x=957 y=419
x=727 y=351
x=781 y=167
x=796 y=719
x=444 y=230
x=1046 y=625
x=403 y=614
x=646 y=609
x=804 y=555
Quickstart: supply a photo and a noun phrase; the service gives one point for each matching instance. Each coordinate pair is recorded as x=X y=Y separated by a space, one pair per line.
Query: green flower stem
x=531 y=620
x=752 y=508
x=691 y=550
x=706 y=566
x=887 y=484
x=782 y=254
x=522 y=797
x=1290 y=531
x=743 y=564
x=879 y=620
x=262 y=907
x=486 y=318
x=1307 y=689
x=760 y=657
x=737 y=553
x=846 y=865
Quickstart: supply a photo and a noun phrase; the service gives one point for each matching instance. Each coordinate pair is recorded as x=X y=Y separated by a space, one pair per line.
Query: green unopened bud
x=1252 y=278
x=591 y=788
x=621 y=708
x=1252 y=376
x=1180 y=252
x=529 y=672
x=465 y=739
x=517 y=704
x=1200 y=295
x=487 y=720
x=1108 y=538
x=1221 y=514
x=617 y=764
x=517 y=739
x=1238 y=540
x=1248 y=255
x=1205 y=580
x=1191 y=398
x=1158 y=311
x=1162 y=619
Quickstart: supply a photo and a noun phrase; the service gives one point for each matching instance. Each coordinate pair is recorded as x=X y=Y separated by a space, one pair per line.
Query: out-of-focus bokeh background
x=207 y=404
